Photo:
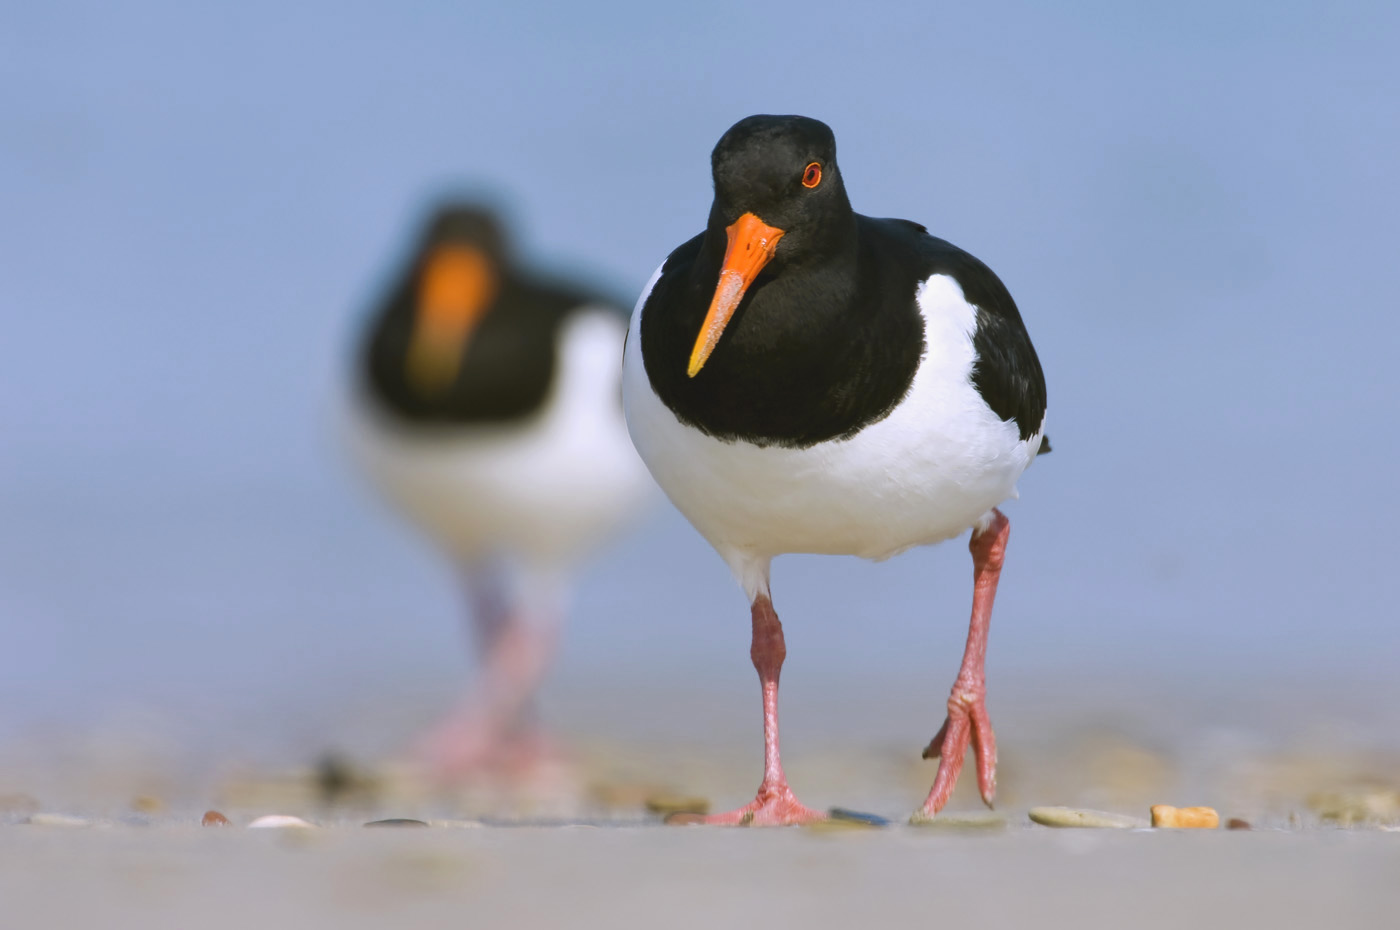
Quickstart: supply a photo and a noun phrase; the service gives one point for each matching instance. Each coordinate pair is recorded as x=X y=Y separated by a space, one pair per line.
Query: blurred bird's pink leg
x=967 y=705
x=494 y=725
x=775 y=804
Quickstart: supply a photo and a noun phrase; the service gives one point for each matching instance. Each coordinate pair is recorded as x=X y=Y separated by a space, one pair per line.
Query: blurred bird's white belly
x=546 y=490
x=931 y=469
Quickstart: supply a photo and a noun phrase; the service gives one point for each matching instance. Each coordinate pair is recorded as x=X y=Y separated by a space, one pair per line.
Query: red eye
x=812 y=176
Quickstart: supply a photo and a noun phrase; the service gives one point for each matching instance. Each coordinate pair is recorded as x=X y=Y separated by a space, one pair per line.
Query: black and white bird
x=485 y=407
x=802 y=378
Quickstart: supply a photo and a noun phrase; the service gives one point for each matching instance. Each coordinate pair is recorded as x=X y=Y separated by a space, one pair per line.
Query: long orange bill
x=455 y=288
x=751 y=245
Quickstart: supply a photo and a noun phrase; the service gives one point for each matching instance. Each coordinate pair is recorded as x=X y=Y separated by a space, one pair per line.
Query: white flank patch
x=547 y=491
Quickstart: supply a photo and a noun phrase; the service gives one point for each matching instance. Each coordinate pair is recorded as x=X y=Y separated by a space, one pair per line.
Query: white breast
x=548 y=490
x=931 y=469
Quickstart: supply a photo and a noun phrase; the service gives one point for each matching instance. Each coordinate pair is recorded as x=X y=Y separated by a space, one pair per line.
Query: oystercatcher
x=802 y=378
x=486 y=407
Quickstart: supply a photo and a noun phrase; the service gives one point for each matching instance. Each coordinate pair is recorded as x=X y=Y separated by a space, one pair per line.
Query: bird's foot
x=458 y=749
x=967 y=722
x=775 y=806
x=471 y=745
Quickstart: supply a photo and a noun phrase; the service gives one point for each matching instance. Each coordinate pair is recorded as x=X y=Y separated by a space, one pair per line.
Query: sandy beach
x=346 y=877
x=116 y=839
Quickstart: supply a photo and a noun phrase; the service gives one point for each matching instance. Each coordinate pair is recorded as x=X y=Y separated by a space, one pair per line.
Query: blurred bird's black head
x=464 y=223
x=457 y=277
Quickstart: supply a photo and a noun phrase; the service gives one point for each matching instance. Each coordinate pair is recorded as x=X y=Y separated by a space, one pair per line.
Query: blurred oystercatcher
x=802 y=378
x=486 y=407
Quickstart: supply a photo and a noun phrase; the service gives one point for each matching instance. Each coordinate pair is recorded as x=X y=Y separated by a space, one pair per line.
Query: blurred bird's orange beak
x=751 y=245
x=455 y=288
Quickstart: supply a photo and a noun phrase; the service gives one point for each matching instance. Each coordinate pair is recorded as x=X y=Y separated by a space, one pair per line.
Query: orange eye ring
x=812 y=175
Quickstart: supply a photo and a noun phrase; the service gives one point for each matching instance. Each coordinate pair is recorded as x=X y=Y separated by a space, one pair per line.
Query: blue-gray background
x=1194 y=203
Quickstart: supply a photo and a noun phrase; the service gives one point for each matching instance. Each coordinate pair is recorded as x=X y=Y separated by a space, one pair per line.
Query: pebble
x=677 y=804
x=1235 y=823
x=147 y=804
x=624 y=794
x=214 y=819
x=279 y=820
x=397 y=822
x=1184 y=818
x=58 y=820
x=1359 y=805
x=1083 y=817
x=972 y=822
x=857 y=818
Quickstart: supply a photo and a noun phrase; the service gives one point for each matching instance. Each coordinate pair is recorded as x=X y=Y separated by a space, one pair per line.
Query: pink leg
x=967 y=705
x=775 y=804
x=494 y=726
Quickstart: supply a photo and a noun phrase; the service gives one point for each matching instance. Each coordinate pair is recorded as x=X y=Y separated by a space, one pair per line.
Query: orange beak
x=751 y=245
x=455 y=288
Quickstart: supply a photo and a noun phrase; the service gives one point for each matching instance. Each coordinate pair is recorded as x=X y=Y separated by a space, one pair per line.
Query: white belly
x=547 y=490
x=931 y=469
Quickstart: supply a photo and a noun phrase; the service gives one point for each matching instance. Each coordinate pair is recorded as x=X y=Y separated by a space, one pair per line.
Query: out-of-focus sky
x=1195 y=204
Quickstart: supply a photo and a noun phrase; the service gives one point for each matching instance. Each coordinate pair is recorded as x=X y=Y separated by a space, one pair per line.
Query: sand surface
x=347 y=878
x=576 y=846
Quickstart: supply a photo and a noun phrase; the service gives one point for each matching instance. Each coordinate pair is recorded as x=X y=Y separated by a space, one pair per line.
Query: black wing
x=1007 y=372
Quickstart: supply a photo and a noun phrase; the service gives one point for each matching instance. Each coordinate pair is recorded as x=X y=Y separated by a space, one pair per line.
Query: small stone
x=58 y=820
x=677 y=804
x=397 y=822
x=973 y=822
x=1184 y=818
x=214 y=819
x=857 y=818
x=1235 y=823
x=623 y=794
x=1083 y=817
x=147 y=804
x=279 y=820
x=683 y=819
x=1356 y=805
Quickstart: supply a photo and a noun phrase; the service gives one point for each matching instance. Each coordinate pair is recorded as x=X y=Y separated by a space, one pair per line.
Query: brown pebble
x=1199 y=818
x=214 y=819
x=683 y=818
x=147 y=804
x=677 y=804
x=397 y=822
x=1235 y=823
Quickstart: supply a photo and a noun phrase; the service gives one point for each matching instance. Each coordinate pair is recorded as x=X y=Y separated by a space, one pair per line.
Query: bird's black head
x=783 y=170
x=779 y=201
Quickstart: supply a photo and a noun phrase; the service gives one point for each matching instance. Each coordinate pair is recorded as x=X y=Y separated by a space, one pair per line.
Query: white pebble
x=279 y=820
x=1083 y=817
x=58 y=820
